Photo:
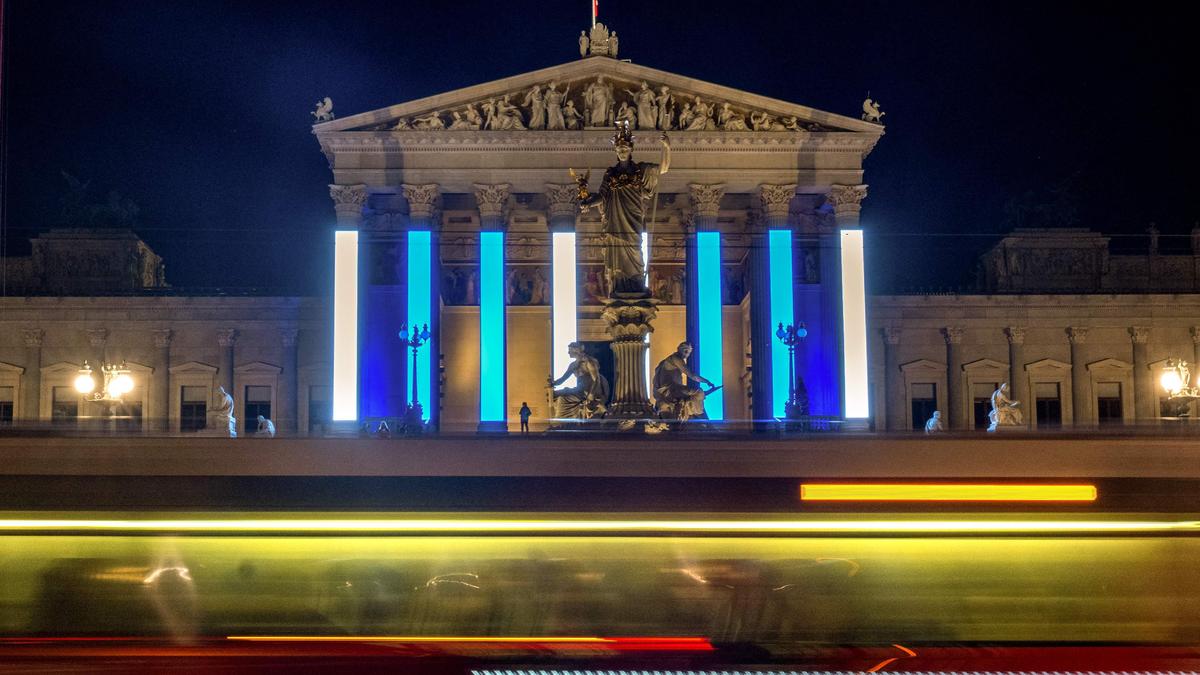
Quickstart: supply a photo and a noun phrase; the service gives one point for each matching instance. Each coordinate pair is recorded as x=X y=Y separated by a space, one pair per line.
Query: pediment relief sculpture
x=600 y=102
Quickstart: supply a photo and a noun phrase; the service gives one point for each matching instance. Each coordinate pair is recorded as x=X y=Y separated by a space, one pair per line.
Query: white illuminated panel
x=345 y=326
x=563 y=310
x=646 y=281
x=854 y=324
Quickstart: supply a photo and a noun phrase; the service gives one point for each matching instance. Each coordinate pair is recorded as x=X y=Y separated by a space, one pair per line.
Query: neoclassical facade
x=424 y=184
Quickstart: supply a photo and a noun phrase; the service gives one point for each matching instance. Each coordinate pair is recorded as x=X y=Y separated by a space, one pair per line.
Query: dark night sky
x=199 y=111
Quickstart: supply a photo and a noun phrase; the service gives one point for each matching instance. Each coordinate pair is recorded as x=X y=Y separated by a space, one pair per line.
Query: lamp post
x=414 y=414
x=116 y=382
x=797 y=403
x=1176 y=381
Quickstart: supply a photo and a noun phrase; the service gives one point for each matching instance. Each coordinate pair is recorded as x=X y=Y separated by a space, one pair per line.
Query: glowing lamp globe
x=84 y=384
x=1171 y=381
x=123 y=384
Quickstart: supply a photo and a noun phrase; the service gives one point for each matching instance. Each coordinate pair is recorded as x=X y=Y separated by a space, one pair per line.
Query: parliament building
x=459 y=212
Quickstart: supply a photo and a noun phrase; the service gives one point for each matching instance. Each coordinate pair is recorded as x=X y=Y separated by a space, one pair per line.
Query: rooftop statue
x=1005 y=411
x=589 y=397
x=624 y=191
x=324 y=111
x=871 y=112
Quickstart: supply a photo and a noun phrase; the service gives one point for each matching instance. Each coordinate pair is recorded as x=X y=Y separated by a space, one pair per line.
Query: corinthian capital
x=226 y=337
x=422 y=199
x=1015 y=334
x=1077 y=334
x=1139 y=334
x=562 y=199
x=776 y=198
x=706 y=199
x=491 y=199
x=33 y=336
x=162 y=337
x=97 y=337
x=348 y=195
x=891 y=335
x=953 y=334
x=847 y=198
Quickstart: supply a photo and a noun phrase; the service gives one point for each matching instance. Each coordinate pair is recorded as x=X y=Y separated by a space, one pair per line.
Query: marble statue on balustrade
x=588 y=399
x=624 y=191
x=1006 y=412
x=223 y=412
x=674 y=396
x=934 y=424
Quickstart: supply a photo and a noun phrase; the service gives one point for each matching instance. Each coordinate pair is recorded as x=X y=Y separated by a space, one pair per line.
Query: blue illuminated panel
x=779 y=243
x=420 y=292
x=491 y=327
x=708 y=309
x=345 y=326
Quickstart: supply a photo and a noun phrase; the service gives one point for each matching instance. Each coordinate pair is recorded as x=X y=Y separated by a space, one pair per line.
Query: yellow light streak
x=411 y=638
x=664 y=527
x=908 y=492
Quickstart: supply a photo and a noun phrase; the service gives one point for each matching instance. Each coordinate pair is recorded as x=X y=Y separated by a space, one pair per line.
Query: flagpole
x=595 y=11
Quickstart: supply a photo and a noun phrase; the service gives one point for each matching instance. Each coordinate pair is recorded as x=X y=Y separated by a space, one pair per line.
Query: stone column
x=954 y=394
x=160 y=390
x=492 y=202
x=706 y=203
x=893 y=384
x=776 y=202
x=287 y=419
x=348 y=202
x=1080 y=387
x=226 y=337
x=424 y=213
x=97 y=339
x=1145 y=399
x=847 y=203
x=1017 y=384
x=31 y=386
x=629 y=323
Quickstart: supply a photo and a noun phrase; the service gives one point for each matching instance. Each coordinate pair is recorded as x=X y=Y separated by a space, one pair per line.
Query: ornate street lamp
x=414 y=414
x=797 y=403
x=1176 y=381
x=115 y=383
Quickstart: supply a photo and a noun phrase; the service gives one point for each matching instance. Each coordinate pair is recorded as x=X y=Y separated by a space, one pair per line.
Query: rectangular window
x=6 y=406
x=64 y=407
x=319 y=409
x=1048 y=402
x=981 y=401
x=257 y=401
x=1108 y=403
x=193 y=408
x=924 y=402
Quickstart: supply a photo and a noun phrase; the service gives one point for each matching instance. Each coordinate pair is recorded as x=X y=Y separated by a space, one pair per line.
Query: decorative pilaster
x=226 y=338
x=348 y=203
x=31 y=386
x=955 y=400
x=893 y=385
x=847 y=203
x=1080 y=383
x=1145 y=400
x=98 y=339
x=287 y=419
x=160 y=392
x=1017 y=384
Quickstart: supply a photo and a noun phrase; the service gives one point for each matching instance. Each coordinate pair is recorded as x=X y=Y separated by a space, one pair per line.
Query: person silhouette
x=525 y=414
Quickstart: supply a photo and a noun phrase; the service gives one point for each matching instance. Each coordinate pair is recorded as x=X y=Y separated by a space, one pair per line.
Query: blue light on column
x=709 y=351
x=345 y=326
x=779 y=243
x=491 y=327
x=420 y=291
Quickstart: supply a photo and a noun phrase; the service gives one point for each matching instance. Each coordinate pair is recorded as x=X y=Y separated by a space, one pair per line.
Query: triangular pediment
x=512 y=104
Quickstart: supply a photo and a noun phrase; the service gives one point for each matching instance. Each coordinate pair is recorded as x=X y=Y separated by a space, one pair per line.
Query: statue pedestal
x=629 y=320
